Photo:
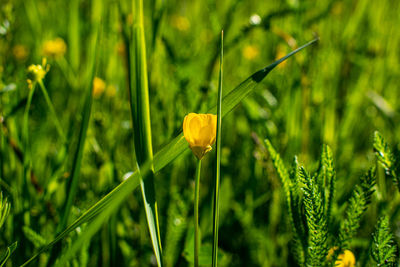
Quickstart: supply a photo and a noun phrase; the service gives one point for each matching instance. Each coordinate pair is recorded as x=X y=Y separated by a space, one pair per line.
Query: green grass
x=70 y=160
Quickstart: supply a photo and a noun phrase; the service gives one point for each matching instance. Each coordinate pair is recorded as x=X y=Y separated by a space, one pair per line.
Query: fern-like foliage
x=357 y=205
x=4 y=209
x=299 y=237
x=37 y=240
x=316 y=220
x=327 y=179
x=384 y=248
x=280 y=168
x=293 y=201
x=387 y=158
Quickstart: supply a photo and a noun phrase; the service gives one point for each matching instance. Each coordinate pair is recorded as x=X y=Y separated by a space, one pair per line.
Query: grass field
x=95 y=170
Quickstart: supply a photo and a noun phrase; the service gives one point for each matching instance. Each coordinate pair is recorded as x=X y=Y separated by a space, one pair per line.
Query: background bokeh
x=337 y=92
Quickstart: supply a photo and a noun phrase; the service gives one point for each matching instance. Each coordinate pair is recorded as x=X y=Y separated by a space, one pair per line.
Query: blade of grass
x=72 y=183
x=73 y=35
x=218 y=158
x=140 y=113
x=165 y=156
x=108 y=203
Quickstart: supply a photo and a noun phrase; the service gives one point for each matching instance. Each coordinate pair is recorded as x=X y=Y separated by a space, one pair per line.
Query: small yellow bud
x=98 y=87
x=200 y=132
x=54 y=48
x=36 y=73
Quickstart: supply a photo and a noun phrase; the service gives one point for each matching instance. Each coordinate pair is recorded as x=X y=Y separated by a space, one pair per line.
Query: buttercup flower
x=250 y=52
x=98 y=87
x=54 y=48
x=200 y=131
x=20 y=52
x=346 y=259
x=36 y=73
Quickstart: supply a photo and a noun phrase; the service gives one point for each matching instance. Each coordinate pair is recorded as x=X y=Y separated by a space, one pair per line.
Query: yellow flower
x=200 y=131
x=98 y=87
x=250 y=52
x=20 y=52
x=181 y=23
x=54 y=48
x=37 y=72
x=346 y=259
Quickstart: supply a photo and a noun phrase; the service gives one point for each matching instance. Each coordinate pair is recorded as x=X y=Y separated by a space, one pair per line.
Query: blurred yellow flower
x=98 y=87
x=250 y=52
x=346 y=259
x=20 y=52
x=54 y=48
x=200 y=131
x=36 y=73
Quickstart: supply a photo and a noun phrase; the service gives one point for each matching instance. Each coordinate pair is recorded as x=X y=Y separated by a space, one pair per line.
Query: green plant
x=309 y=213
x=384 y=248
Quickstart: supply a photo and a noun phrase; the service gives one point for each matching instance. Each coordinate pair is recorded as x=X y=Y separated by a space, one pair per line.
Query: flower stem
x=196 y=215
x=52 y=111
x=25 y=131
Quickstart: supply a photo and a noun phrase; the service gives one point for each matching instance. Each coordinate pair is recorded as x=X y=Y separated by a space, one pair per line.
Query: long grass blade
x=218 y=165
x=140 y=111
x=165 y=156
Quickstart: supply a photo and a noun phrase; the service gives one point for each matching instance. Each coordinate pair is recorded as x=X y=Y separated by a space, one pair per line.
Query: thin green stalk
x=25 y=132
x=218 y=167
x=52 y=111
x=74 y=36
x=196 y=214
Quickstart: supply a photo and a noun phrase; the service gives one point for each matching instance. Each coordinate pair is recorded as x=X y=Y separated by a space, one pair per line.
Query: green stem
x=25 y=131
x=196 y=215
x=52 y=111
x=218 y=167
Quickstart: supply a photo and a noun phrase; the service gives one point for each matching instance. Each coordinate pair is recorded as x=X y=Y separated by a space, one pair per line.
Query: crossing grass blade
x=218 y=157
x=8 y=253
x=168 y=154
x=178 y=145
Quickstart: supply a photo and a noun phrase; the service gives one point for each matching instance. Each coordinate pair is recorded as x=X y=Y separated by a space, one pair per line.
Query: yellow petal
x=346 y=259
